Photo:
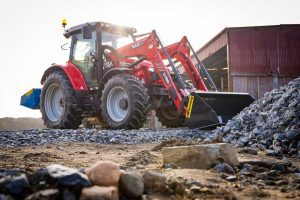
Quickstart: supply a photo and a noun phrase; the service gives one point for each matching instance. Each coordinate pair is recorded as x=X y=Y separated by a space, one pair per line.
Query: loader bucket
x=210 y=109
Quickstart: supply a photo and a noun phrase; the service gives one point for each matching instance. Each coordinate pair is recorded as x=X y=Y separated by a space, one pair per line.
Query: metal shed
x=253 y=59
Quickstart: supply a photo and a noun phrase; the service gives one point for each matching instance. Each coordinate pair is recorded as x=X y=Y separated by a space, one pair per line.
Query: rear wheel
x=57 y=103
x=124 y=102
x=169 y=117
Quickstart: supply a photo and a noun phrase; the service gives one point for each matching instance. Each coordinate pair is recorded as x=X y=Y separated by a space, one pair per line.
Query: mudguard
x=75 y=76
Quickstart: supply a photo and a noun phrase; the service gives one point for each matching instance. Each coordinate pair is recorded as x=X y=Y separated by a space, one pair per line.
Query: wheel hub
x=61 y=102
x=123 y=104
x=117 y=104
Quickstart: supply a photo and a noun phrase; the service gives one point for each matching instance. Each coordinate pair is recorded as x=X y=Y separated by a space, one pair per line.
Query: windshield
x=115 y=41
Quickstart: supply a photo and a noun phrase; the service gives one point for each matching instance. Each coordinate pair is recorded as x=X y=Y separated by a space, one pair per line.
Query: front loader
x=117 y=79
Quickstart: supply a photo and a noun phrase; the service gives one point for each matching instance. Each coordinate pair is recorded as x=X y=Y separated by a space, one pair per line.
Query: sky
x=31 y=31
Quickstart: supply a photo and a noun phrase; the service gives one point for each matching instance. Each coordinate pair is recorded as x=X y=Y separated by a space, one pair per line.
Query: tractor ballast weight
x=31 y=99
x=119 y=85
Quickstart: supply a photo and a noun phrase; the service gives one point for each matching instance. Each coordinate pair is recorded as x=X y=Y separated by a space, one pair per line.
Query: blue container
x=32 y=98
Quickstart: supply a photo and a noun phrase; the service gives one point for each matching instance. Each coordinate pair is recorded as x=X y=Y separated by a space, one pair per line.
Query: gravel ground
x=98 y=136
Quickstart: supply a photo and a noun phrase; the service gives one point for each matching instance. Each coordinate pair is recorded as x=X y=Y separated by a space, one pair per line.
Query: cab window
x=82 y=58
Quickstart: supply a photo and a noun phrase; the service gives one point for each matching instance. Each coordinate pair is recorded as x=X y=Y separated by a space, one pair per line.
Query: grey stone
x=247 y=168
x=6 y=197
x=296 y=170
x=195 y=189
x=279 y=136
x=224 y=168
x=226 y=129
x=16 y=186
x=131 y=184
x=279 y=167
x=292 y=152
x=293 y=135
x=261 y=147
x=231 y=178
x=272 y=173
x=154 y=182
x=39 y=178
x=68 y=177
x=260 y=163
x=270 y=152
x=297 y=174
x=248 y=150
x=281 y=182
x=68 y=194
x=175 y=186
x=286 y=161
x=170 y=166
x=200 y=156
x=48 y=194
x=14 y=172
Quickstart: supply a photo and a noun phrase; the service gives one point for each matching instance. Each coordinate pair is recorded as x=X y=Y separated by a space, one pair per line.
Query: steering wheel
x=111 y=56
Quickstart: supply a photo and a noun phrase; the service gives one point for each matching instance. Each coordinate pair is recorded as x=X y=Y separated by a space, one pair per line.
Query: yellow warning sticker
x=29 y=92
x=190 y=106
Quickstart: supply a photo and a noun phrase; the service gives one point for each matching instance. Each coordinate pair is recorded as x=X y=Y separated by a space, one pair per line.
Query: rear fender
x=75 y=76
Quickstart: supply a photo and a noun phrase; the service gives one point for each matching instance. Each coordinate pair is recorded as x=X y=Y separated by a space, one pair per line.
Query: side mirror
x=63 y=47
x=87 y=32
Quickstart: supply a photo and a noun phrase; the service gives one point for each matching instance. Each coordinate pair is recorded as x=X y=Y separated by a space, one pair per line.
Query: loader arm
x=149 y=49
x=181 y=52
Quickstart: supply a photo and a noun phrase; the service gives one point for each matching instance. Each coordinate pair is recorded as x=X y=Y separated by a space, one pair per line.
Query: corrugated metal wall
x=263 y=58
x=289 y=51
x=257 y=86
x=252 y=52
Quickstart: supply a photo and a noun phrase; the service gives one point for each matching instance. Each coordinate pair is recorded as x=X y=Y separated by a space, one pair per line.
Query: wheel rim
x=117 y=104
x=54 y=102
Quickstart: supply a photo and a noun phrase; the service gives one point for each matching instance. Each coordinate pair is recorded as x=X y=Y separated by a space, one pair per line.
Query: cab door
x=82 y=55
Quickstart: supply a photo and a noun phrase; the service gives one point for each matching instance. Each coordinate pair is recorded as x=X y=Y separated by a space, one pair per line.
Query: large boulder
x=104 y=173
x=200 y=156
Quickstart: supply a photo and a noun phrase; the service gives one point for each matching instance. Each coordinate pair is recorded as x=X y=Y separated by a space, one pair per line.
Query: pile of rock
x=105 y=180
x=271 y=124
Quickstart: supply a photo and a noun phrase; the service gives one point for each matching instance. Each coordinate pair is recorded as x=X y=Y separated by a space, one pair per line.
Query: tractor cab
x=87 y=52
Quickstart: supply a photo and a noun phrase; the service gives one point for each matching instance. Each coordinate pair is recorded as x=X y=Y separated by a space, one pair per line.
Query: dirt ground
x=142 y=156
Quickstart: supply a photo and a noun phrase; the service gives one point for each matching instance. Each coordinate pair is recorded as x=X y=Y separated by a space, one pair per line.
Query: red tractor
x=117 y=79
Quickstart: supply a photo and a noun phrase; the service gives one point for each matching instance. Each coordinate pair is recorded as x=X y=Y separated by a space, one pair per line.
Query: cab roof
x=107 y=27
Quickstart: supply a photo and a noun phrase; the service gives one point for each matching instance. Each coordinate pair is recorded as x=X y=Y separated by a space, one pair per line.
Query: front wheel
x=124 y=102
x=169 y=116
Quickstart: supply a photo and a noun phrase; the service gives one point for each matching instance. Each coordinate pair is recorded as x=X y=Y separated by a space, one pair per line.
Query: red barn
x=253 y=59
